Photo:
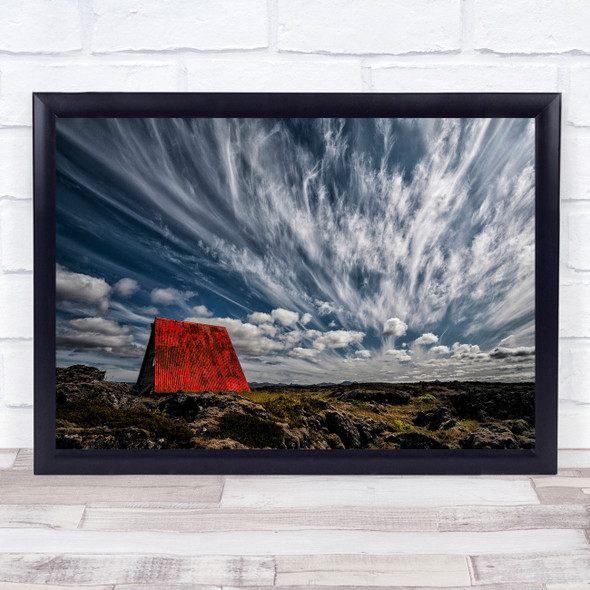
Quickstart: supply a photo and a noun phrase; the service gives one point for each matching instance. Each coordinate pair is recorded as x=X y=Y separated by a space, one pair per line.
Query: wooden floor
x=206 y=532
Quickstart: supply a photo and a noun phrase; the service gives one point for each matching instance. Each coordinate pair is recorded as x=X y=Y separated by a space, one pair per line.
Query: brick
x=16 y=377
x=16 y=427
x=574 y=310
x=19 y=80
x=16 y=163
x=573 y=420
x=16 y=235
x=39 y=26
x=578 y=241
x=530 y=27
x=375 y=27
x=153 y=25
x=463 y=78
x=575 y=168
x=574 y=371
x=225 y=75
x=579 y=96
x=16 y=306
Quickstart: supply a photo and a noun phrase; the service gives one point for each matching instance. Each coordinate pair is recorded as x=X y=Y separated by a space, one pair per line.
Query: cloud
x=401 y=356
x=148 y=310
x=394 y=327
x=98 y=325
x=291 y=338
x=166 y=296
x=325 y=308
x=428 y=338
x=306 y=318
x=260 y=318
x=363 y=354
x=441 y=234
x=80 y=287
x=303 y=353
x=99 y=335
x=126 y=287
x=338 y=339
x=504 y=352
x=459 y=349
x=440 y=350
x=202 y=311
x=285 y=317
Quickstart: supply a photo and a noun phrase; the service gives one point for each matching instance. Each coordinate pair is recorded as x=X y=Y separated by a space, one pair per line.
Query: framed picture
x=296 y=283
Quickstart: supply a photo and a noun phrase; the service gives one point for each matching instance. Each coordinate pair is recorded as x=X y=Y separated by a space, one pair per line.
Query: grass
x=290 y=405
x=88 y=414
x=292 y=410
x=402 y=426
x=469 y=425
x=251 y=431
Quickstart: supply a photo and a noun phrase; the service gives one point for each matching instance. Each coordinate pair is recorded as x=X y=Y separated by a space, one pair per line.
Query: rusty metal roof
x=195 y=357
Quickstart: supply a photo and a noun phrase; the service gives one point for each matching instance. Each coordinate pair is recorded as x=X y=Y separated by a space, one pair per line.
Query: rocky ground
x=97 y=414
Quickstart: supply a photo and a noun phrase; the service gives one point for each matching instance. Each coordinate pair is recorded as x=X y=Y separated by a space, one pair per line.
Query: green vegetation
x=89 y=413
x=469 y=425
x=357 y=415
x=292 y=410
x=251 y=431
x=402 y=426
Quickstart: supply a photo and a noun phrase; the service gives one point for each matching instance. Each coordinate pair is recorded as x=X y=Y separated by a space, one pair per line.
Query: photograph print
x=295 y=283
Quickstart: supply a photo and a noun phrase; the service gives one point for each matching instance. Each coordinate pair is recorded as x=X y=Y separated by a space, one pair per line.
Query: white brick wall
x=290 y=45
x=531 y=27
x=153 y=25
x=44 y=27
x=374 y=27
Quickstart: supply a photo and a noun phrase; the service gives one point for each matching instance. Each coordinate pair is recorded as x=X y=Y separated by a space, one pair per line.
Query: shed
x=186 y=356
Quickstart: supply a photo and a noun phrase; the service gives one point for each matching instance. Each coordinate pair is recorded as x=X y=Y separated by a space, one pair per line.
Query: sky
x=331 y=249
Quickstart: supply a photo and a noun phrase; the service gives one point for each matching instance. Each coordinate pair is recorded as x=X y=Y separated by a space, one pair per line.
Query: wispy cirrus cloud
x=389 y=228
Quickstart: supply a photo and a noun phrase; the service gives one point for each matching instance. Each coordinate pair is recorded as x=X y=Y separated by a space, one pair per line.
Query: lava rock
x=78 y=374
x=196 y=406
x=394 y=398
x=439 y=419
x=334 y=441
x=116 y=438
x=338 y=424
x=491 y=436
x=369 y=430
x=503 y=402
x=416 y=440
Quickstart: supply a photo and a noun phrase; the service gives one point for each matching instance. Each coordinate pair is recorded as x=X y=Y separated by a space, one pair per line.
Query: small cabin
x=186 y=356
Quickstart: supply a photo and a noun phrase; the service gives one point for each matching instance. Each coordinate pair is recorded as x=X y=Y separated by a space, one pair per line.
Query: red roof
x=195 y=357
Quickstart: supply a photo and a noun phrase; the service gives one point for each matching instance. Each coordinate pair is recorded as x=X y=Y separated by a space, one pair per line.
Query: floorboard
x=380 y=570
x=20 y=486
x=40 y=516
x=19 y=586
x=502 y=518
x=215 y=533
x=88 y=570
x=7 y=458
x=548 y=568
x=563 y=496
x=291 y=542
x=410 y=492
x=114 y=518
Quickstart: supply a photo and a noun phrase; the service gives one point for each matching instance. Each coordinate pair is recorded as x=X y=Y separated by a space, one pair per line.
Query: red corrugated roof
x=195 y=357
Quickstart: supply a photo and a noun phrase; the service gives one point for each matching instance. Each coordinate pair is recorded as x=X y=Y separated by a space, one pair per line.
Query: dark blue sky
x=359 y=249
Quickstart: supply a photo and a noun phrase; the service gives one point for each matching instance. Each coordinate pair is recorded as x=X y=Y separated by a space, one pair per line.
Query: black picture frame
x=545 y=108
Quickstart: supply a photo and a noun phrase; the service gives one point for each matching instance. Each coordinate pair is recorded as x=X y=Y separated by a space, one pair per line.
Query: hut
x=186 y=356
